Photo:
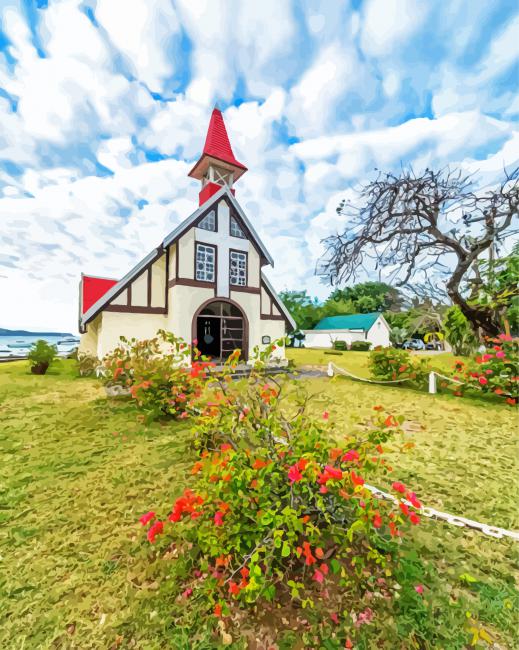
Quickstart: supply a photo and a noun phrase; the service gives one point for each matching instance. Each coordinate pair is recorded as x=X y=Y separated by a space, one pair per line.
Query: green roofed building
x=349 y=328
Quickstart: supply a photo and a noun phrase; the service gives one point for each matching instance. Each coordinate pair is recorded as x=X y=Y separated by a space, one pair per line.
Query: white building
x=203 y=282
x=354 y=327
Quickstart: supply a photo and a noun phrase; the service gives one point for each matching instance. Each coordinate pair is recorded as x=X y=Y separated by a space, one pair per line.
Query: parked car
x=433 y=345
x=414 y=344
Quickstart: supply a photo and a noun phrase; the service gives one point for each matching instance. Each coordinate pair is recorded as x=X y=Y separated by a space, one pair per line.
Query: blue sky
x=104 y=106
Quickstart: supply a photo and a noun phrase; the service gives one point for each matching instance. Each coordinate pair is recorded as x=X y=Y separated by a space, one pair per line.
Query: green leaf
x=285 y=551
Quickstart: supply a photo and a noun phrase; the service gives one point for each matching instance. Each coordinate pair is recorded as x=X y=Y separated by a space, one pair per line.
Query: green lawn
x=77 y=471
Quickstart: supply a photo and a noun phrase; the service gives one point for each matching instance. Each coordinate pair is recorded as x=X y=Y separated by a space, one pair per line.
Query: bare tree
x=433 y=225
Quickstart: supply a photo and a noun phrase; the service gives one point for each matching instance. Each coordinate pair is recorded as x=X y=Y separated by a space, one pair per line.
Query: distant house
x=354 y=327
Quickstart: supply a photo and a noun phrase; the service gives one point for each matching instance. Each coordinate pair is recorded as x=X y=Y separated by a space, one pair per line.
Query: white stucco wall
x=158 y=282
x=183 y=303
x=116 y=324
x=379 y=334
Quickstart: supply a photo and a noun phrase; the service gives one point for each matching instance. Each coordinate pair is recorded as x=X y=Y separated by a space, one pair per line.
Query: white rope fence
x=491 y=531
x=333 y=369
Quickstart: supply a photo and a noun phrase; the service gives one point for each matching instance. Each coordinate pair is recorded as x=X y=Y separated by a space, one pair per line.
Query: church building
x=203 y=282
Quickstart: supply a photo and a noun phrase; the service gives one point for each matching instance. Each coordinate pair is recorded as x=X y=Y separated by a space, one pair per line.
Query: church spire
x=217 y=166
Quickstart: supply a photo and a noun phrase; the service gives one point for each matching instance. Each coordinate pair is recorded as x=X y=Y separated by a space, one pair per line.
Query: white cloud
x=389 y=23
x=141 y=31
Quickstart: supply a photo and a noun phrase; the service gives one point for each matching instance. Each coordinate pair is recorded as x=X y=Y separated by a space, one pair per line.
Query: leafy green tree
x=367 y=297
x=458 y=331
x=306 y=311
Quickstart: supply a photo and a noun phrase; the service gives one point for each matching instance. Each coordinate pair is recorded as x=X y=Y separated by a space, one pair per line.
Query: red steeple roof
x=217 y=146
x=92 y=289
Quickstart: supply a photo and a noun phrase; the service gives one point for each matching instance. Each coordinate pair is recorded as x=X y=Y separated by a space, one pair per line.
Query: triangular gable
x=279 y=303
x=92 y=289
x=118 y=287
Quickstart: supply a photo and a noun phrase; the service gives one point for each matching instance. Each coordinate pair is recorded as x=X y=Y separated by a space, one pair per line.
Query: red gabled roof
x=92 y=289
x=217 y=143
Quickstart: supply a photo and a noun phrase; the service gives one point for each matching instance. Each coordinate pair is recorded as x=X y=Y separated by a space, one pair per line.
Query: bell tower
x=217 y=167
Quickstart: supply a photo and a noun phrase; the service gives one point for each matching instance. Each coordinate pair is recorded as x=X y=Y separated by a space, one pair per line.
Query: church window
x=236 y=231
x=205 y=263
x=209 y=221
x=238 y=268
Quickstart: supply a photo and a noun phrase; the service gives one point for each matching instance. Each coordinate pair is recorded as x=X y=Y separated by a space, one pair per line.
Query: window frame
x=215 y=264
x=206 y=215
x=243 y=235
x=246 y=254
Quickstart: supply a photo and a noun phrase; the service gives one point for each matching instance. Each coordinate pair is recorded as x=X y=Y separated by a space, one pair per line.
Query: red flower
x=218 y=610
x=323 y=489
x=411 y=496
x=145 y=519
x=326 y=415
x=333 y=472
x=294 y=475
x=404 y=508
x=155 y=530
x=259 y=464
x=414 y=518
x=356 y=479
x=302 y=463
x=390 y=421
x=350 y=456
x=393 y=530
x=483 y=380
x=218 y=518
x=399 y=487
x=187 y=593
x=377 y=521
x=511 y=400
x=307 y=552
x=334 y=618
x=225 y=447
x=234 y=589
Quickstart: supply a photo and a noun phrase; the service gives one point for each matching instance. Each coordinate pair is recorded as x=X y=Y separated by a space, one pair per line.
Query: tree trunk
x=479 y=317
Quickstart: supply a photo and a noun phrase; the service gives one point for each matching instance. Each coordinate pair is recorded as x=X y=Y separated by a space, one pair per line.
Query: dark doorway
x=220 y=329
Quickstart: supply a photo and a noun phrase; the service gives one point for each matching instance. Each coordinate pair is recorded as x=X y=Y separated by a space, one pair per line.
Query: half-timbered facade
x=205 y=280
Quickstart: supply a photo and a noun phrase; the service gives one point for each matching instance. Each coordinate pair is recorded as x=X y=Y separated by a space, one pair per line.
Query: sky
x=104 y=107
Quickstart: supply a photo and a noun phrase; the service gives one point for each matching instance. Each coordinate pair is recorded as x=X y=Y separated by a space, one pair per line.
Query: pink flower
x=350 y=456
x=500 y=354
x=187 y=593
x=326 y=415
x=487 y=357
x=294 y=475
x=483 y=380
x=318 y=576
x=419 y=589
x=145 y=519
x=323 y=489
x=155 y=530
x=218 y=518
x=334 y=618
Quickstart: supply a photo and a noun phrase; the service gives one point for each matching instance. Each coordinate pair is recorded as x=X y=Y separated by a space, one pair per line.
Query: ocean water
x=27 y=341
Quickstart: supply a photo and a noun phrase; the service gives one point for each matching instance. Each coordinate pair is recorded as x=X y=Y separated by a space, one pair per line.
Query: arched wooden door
x=220 y=327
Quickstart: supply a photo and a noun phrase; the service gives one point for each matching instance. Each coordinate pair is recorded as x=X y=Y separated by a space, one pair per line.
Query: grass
x=78 y=470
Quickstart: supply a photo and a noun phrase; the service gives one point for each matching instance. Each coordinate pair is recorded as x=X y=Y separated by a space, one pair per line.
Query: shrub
x=158 y=374
x=41 y=356
x=277 y=512
x=458 y=331
x=360 y=346
x=86 y=364
x=495 y=371
x=340 y=345
x=390 y=364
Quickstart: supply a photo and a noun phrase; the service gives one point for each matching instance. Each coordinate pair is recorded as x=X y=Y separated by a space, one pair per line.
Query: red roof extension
x=92 y=289
x=217 y=143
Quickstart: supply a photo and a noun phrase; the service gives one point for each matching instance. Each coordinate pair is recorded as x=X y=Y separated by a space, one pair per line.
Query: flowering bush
x=390 y=364
x=277 y=511
x=494 y=371
x=158 y=374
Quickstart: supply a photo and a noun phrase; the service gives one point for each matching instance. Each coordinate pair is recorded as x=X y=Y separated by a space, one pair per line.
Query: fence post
x=330 y=369
x=432 y=383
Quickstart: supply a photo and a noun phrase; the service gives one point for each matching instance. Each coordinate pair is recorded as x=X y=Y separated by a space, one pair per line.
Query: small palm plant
x=40 y=356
